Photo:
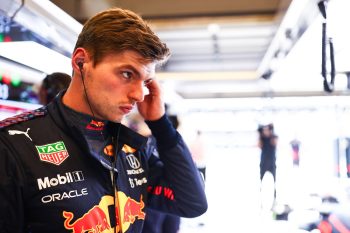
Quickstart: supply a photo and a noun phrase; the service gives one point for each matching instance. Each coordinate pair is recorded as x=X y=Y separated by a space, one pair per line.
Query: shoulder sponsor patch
x=26 y=116
x=54 y=153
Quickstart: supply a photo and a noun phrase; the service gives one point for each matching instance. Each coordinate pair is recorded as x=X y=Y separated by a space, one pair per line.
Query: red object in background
x=6 y=79
x=7 y=39
x=11 y=108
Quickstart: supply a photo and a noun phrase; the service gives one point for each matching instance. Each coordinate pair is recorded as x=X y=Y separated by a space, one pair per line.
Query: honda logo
x=133 y=161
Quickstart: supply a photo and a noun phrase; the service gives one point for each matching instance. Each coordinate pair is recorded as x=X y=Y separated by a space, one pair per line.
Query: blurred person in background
x=295 y=144
x=71 y=166
x=267 y=143
x=51 y=85
x=347 y=156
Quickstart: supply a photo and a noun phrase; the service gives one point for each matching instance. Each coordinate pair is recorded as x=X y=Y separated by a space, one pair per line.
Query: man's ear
x=79 y=57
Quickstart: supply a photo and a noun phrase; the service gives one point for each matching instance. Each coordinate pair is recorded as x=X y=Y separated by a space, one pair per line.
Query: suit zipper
x=114 y=187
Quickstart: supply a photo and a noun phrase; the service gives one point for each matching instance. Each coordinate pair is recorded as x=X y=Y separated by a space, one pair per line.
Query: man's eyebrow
x=137 y=74
x=130 y=67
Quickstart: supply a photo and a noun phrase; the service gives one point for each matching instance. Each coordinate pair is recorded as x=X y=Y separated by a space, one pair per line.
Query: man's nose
x=137 y=91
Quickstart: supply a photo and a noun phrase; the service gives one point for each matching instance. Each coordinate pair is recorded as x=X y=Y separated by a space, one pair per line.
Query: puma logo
x=14 y=132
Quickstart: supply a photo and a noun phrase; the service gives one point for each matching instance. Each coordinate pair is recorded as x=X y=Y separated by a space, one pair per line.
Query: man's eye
x=126 y=74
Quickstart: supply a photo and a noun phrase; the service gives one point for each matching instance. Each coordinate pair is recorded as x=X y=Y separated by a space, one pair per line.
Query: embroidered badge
x=54 y=153
x=26 y=116
x=127 y=149
x=95 y=125
x=109 y=150
x=133 y=161
x=14 y=132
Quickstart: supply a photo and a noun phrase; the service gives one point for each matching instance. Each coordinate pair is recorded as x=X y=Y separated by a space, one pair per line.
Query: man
x=267 y=143
x=72 y=167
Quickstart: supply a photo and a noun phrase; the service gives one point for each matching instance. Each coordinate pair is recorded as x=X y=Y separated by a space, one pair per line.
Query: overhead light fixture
x=46 y=20
x=27 y=74
x=35 y=55
x=213 y=29
x=299 y=14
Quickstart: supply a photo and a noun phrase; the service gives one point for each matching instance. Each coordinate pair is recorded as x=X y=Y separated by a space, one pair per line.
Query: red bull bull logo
x=130 y=210
x=95 y=125
x=127 y=211
x=133 y=210
x=93 y=221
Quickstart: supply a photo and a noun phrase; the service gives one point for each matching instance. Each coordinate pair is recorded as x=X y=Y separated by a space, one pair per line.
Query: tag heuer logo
x=54 y=153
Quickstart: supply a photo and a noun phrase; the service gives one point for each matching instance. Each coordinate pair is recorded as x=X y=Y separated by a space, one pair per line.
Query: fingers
x=154 y=88
x=152 y=107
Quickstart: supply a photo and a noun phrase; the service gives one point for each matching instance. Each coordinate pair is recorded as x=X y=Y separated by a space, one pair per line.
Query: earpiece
x=80 y=63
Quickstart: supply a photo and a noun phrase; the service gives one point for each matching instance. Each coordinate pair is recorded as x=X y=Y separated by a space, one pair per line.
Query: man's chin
x=117 y=119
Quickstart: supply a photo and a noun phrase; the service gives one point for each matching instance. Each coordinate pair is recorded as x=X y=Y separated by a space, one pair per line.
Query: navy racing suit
x=50 y=181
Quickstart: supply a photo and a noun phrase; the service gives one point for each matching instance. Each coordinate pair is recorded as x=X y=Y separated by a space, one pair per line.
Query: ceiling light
x=37 y=56
x=45 y=19
x=213 y=29
x=27 y=74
